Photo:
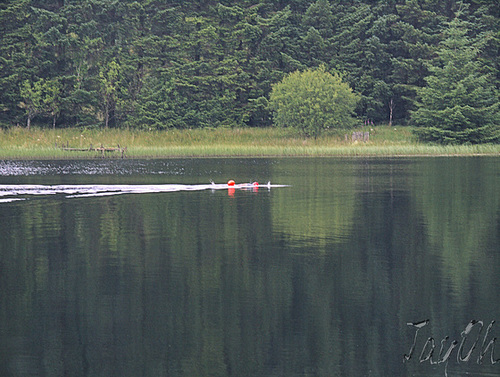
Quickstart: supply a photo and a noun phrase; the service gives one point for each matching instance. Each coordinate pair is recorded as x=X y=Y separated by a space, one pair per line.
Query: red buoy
x=230 y=182
x=255 y=183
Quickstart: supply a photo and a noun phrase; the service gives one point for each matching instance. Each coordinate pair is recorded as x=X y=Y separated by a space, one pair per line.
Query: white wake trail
x=9 y=193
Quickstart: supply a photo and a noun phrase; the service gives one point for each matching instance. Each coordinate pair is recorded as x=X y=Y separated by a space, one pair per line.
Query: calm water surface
x=331 y=276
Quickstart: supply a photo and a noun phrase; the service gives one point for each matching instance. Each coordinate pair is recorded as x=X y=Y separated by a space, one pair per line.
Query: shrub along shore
x=19 y=143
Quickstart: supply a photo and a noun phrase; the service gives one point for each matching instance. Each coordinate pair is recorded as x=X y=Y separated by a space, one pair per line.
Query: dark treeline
x=172 y=63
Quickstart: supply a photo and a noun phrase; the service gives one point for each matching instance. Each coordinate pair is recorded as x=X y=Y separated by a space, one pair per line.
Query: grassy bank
x=18 y=143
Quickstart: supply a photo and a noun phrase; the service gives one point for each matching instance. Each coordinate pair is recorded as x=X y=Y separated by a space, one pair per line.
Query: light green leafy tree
x=52 y=99
x=41 y=97
x=32 y=95
x=313 y=100
x=109 y=77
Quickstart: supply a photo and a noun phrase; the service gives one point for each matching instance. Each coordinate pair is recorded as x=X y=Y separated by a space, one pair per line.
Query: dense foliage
x=312 y=100
x=460 y=103
x=170 y=63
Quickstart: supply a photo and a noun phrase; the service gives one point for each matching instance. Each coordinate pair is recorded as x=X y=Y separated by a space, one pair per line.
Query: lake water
x=142 y=268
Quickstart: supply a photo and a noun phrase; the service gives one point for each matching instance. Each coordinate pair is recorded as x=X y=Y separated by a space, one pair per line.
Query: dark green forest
x=154 y=64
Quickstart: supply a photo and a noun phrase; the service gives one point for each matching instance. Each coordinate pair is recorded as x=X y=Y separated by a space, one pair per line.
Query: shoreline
x=244 y=156
x=384 y=141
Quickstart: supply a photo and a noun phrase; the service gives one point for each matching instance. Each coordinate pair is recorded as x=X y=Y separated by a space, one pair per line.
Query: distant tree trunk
x=107 y=116
x=31 y=113
x=391 y=107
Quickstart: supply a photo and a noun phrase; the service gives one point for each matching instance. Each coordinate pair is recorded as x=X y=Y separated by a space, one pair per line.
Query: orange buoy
x=230 y=182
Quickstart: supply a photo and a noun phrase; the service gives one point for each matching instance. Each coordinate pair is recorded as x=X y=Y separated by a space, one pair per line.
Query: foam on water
x=9 y=193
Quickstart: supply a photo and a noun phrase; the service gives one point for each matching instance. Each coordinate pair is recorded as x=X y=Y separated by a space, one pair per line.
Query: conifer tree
x=460 y=102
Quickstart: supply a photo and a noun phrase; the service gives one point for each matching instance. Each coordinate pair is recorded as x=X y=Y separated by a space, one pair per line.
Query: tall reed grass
x=19 y=143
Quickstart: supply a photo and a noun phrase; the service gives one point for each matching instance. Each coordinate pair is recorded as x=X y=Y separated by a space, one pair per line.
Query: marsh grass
x=19 y=143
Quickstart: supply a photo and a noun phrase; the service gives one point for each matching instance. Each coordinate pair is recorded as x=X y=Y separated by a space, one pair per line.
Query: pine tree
x=460 y=102
x=17 y=61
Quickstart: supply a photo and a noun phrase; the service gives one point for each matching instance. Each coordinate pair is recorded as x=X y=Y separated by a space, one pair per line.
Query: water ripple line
x=9 y=193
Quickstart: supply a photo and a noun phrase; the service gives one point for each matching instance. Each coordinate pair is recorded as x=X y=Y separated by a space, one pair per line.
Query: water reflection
x=89 y=167
x=318 y=279
x=159 y=170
